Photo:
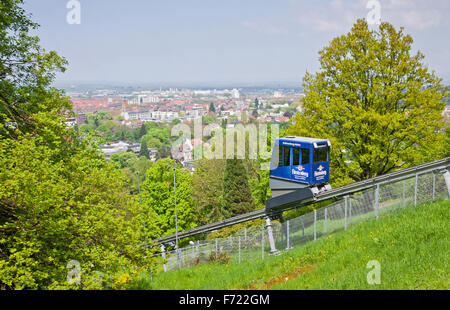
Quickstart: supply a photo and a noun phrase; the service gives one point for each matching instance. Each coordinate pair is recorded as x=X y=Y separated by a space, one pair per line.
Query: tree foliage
x=26 y=72
x=59 y=200
x=159 y=199
x=377 y=103
x=212 y=108
x=144 y=150
x=207 y=186
x=131 y=166
x=237 y=196
x=53 y=211
x=124 y=159
x=142 y=131
x=259 y=185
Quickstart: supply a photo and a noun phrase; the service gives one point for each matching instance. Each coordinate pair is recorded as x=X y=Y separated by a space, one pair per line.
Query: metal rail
x=339 y=193
x=215 y=226
x=437 y=166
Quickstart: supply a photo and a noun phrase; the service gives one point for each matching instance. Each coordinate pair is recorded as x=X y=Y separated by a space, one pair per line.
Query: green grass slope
x=411 y=245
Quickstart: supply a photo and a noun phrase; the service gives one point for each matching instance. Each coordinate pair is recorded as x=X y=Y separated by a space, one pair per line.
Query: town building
x=120 y=146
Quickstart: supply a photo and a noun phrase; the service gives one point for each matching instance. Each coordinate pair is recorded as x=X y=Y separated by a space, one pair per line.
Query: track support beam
x=446 y=174
x=273 y=249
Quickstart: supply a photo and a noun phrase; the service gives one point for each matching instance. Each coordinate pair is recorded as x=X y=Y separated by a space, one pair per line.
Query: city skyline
x=219 y=44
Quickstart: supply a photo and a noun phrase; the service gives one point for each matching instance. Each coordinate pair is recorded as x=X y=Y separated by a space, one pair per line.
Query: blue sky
x=201 y=41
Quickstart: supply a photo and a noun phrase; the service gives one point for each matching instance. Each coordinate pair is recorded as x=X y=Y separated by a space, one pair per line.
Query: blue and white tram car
x=299 y=162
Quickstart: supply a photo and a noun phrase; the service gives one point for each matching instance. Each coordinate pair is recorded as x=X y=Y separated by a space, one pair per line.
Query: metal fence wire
x=253 y=243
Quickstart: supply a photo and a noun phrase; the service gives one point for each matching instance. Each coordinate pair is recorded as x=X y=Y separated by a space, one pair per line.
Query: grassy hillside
x=411 y=245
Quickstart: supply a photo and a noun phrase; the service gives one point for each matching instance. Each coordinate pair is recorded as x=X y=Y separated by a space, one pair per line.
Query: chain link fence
x=253 y=243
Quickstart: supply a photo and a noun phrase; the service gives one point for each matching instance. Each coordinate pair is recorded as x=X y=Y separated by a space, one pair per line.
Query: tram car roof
x=304 y=140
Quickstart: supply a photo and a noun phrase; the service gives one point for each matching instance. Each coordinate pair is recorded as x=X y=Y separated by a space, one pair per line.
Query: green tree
x=26 y=73
x=124 y=159
x=259 y=185
x=207 y=119
x=144 y=150
x=164 y=152
x=377 y=103
x=134 y=167
x=142 y=131
x=207 y=186
x=212 y=109
x=159 y=199
x=103 y=115
x=59 y=200
x=52 y=212
x=237 y=196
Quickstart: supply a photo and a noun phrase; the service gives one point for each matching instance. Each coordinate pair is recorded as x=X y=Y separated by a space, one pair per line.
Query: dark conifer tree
x=143 y=131
x=144 y=150
x=236 y=189
x=212 y=109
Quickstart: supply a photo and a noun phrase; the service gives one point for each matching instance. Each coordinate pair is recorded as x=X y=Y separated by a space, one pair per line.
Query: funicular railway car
x=300 y=165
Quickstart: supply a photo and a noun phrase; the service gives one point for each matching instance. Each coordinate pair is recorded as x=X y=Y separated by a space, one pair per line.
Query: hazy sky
x=250 y=41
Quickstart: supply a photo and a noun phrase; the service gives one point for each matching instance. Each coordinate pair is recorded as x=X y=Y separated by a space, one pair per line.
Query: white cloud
x=417 y=15
x=338 y=16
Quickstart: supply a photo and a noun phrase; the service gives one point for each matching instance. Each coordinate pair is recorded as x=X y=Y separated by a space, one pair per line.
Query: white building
x=71 y=122
x=151 y=99
x=235 y=93
x=153 y=154
x=202 y=92
x=195 y=112
x=277 y=94
x=183 y=151
x=148 y=116
x=117 y=147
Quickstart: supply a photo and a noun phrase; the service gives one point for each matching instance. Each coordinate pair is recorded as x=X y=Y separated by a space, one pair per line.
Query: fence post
x=193 y=251
x=180 y=262
x=415 y=191
x=287 y=235
x=446 y=174
x=163 y=254
x=350 y=211
x=345 y=212
x=239 y=241
x=377 y=191
x=273 y=249
x=434 y=186
x=217 y=248
x=315 y=223
x=262 y=242
x=325 y=222
x=403 y=195
x=180 y=253
x=303 y=227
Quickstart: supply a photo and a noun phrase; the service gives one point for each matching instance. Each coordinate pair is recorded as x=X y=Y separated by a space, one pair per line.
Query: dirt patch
x=282 y=278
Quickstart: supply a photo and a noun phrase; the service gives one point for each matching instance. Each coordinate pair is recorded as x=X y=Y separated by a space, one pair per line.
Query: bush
x=219 y=257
